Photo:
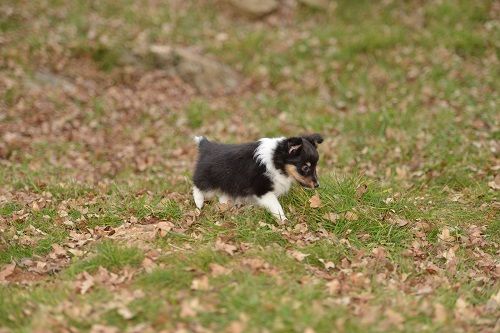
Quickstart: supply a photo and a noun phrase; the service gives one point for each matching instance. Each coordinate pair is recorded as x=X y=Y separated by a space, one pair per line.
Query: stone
x=207 y=75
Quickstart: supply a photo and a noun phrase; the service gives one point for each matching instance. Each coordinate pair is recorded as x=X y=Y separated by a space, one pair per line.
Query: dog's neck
x=264 y=154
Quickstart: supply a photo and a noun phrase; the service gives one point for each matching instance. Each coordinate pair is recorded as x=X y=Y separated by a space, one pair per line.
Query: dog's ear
x=294 y=145
x=315 y=139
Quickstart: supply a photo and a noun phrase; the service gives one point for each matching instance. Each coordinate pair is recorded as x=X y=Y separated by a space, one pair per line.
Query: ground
x=98 y=229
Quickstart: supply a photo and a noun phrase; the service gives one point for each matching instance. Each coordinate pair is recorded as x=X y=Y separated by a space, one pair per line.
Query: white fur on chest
x=281 y=184
x=264 y=155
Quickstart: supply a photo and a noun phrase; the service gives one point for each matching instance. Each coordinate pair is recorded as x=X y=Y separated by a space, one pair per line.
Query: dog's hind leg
x=223 y=199
x=198 y=196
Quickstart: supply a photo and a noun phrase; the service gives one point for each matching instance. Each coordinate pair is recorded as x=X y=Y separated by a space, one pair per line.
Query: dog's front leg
x=271 y=203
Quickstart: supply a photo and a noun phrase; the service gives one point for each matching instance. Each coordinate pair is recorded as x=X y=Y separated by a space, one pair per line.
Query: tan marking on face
x=292 y=171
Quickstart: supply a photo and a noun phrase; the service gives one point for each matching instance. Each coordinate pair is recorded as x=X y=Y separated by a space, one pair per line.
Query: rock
x=256 y=7
x=318 y=4
x=205 y=74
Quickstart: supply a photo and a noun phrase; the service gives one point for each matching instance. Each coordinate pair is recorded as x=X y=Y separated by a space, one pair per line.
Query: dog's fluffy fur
x=258 y=171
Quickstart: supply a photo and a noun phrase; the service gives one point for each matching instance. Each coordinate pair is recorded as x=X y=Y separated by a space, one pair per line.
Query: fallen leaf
x=164 y=227
x=440 y=314
x=148 y=264
x=493 y=303
x=462 y=310
x=394 y=318
x=255 y=263
x=125 y=313
x=97 y=328
x=362 y=189
x=58 y=250
x=424 y=290
x=445 y=235
x=6 y=271
x=190 y=308
x=228 y=248
x=495 y=183
x=333 y=287
x=315 y=201
x=217 y=269
x=333 y=217
x=398 y=221
x=327 y=264
x=432 y=268
x=86 y=281
x=351 y=216
x=236 y=327
x=200 y=283
x=299 y=256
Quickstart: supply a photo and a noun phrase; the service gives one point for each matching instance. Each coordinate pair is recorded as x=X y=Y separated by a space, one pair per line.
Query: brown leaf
x=328 y=264
x=148 y=264
x=462 y=310
x=86 y=281
x=164 y=227
x=440 y=313
x=255 y=263
x=6 y=271
x=351 y=216
x=125 y=313
x=299 y=256
x=58 y=250
x=398 y=221
x=445 y=235
x=217 y=269
x=315 y=201
x=236 y=327
x=228 y=248
x=333 y=287
x=394 y=318
x=362 y=189
x=200 y=283
x=493 y=303
x=333 y=217
x=495 y=183
x=424 y=290
x=97 y=328
x=432 y=268
x=190 y=308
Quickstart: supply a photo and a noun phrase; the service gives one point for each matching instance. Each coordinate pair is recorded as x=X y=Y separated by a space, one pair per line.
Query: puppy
x=258 y=172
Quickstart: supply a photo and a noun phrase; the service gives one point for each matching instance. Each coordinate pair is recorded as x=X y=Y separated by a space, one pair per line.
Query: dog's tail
x=199 y=140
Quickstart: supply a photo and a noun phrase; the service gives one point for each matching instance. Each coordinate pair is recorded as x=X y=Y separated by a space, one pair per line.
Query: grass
x=108 y=255
x=405 y=94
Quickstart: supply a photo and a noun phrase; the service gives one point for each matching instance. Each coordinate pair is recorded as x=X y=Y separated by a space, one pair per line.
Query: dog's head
x=301 y=158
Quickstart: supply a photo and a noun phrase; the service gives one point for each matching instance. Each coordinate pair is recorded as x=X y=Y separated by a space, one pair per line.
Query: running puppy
x=258 y=171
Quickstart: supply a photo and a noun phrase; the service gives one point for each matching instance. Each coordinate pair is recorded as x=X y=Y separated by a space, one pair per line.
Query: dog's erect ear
x=294 y=145
x=315 y=139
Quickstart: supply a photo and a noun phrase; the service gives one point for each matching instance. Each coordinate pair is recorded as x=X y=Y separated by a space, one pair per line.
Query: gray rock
x=256 y=7
x=205 y=74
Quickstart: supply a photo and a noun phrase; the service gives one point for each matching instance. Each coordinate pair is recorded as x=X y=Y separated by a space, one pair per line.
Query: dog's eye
x=305 y=168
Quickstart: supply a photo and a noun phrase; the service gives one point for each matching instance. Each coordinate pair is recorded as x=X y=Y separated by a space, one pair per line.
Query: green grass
x=109 y=255
x=405 y=94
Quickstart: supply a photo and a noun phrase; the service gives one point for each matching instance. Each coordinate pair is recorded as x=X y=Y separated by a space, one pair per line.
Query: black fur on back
x=231 y=169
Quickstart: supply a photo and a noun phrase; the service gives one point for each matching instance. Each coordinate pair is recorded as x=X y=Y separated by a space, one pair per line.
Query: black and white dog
x=255 y=172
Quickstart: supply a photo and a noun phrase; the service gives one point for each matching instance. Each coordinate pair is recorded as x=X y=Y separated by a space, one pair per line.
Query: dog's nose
x=316 y=184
